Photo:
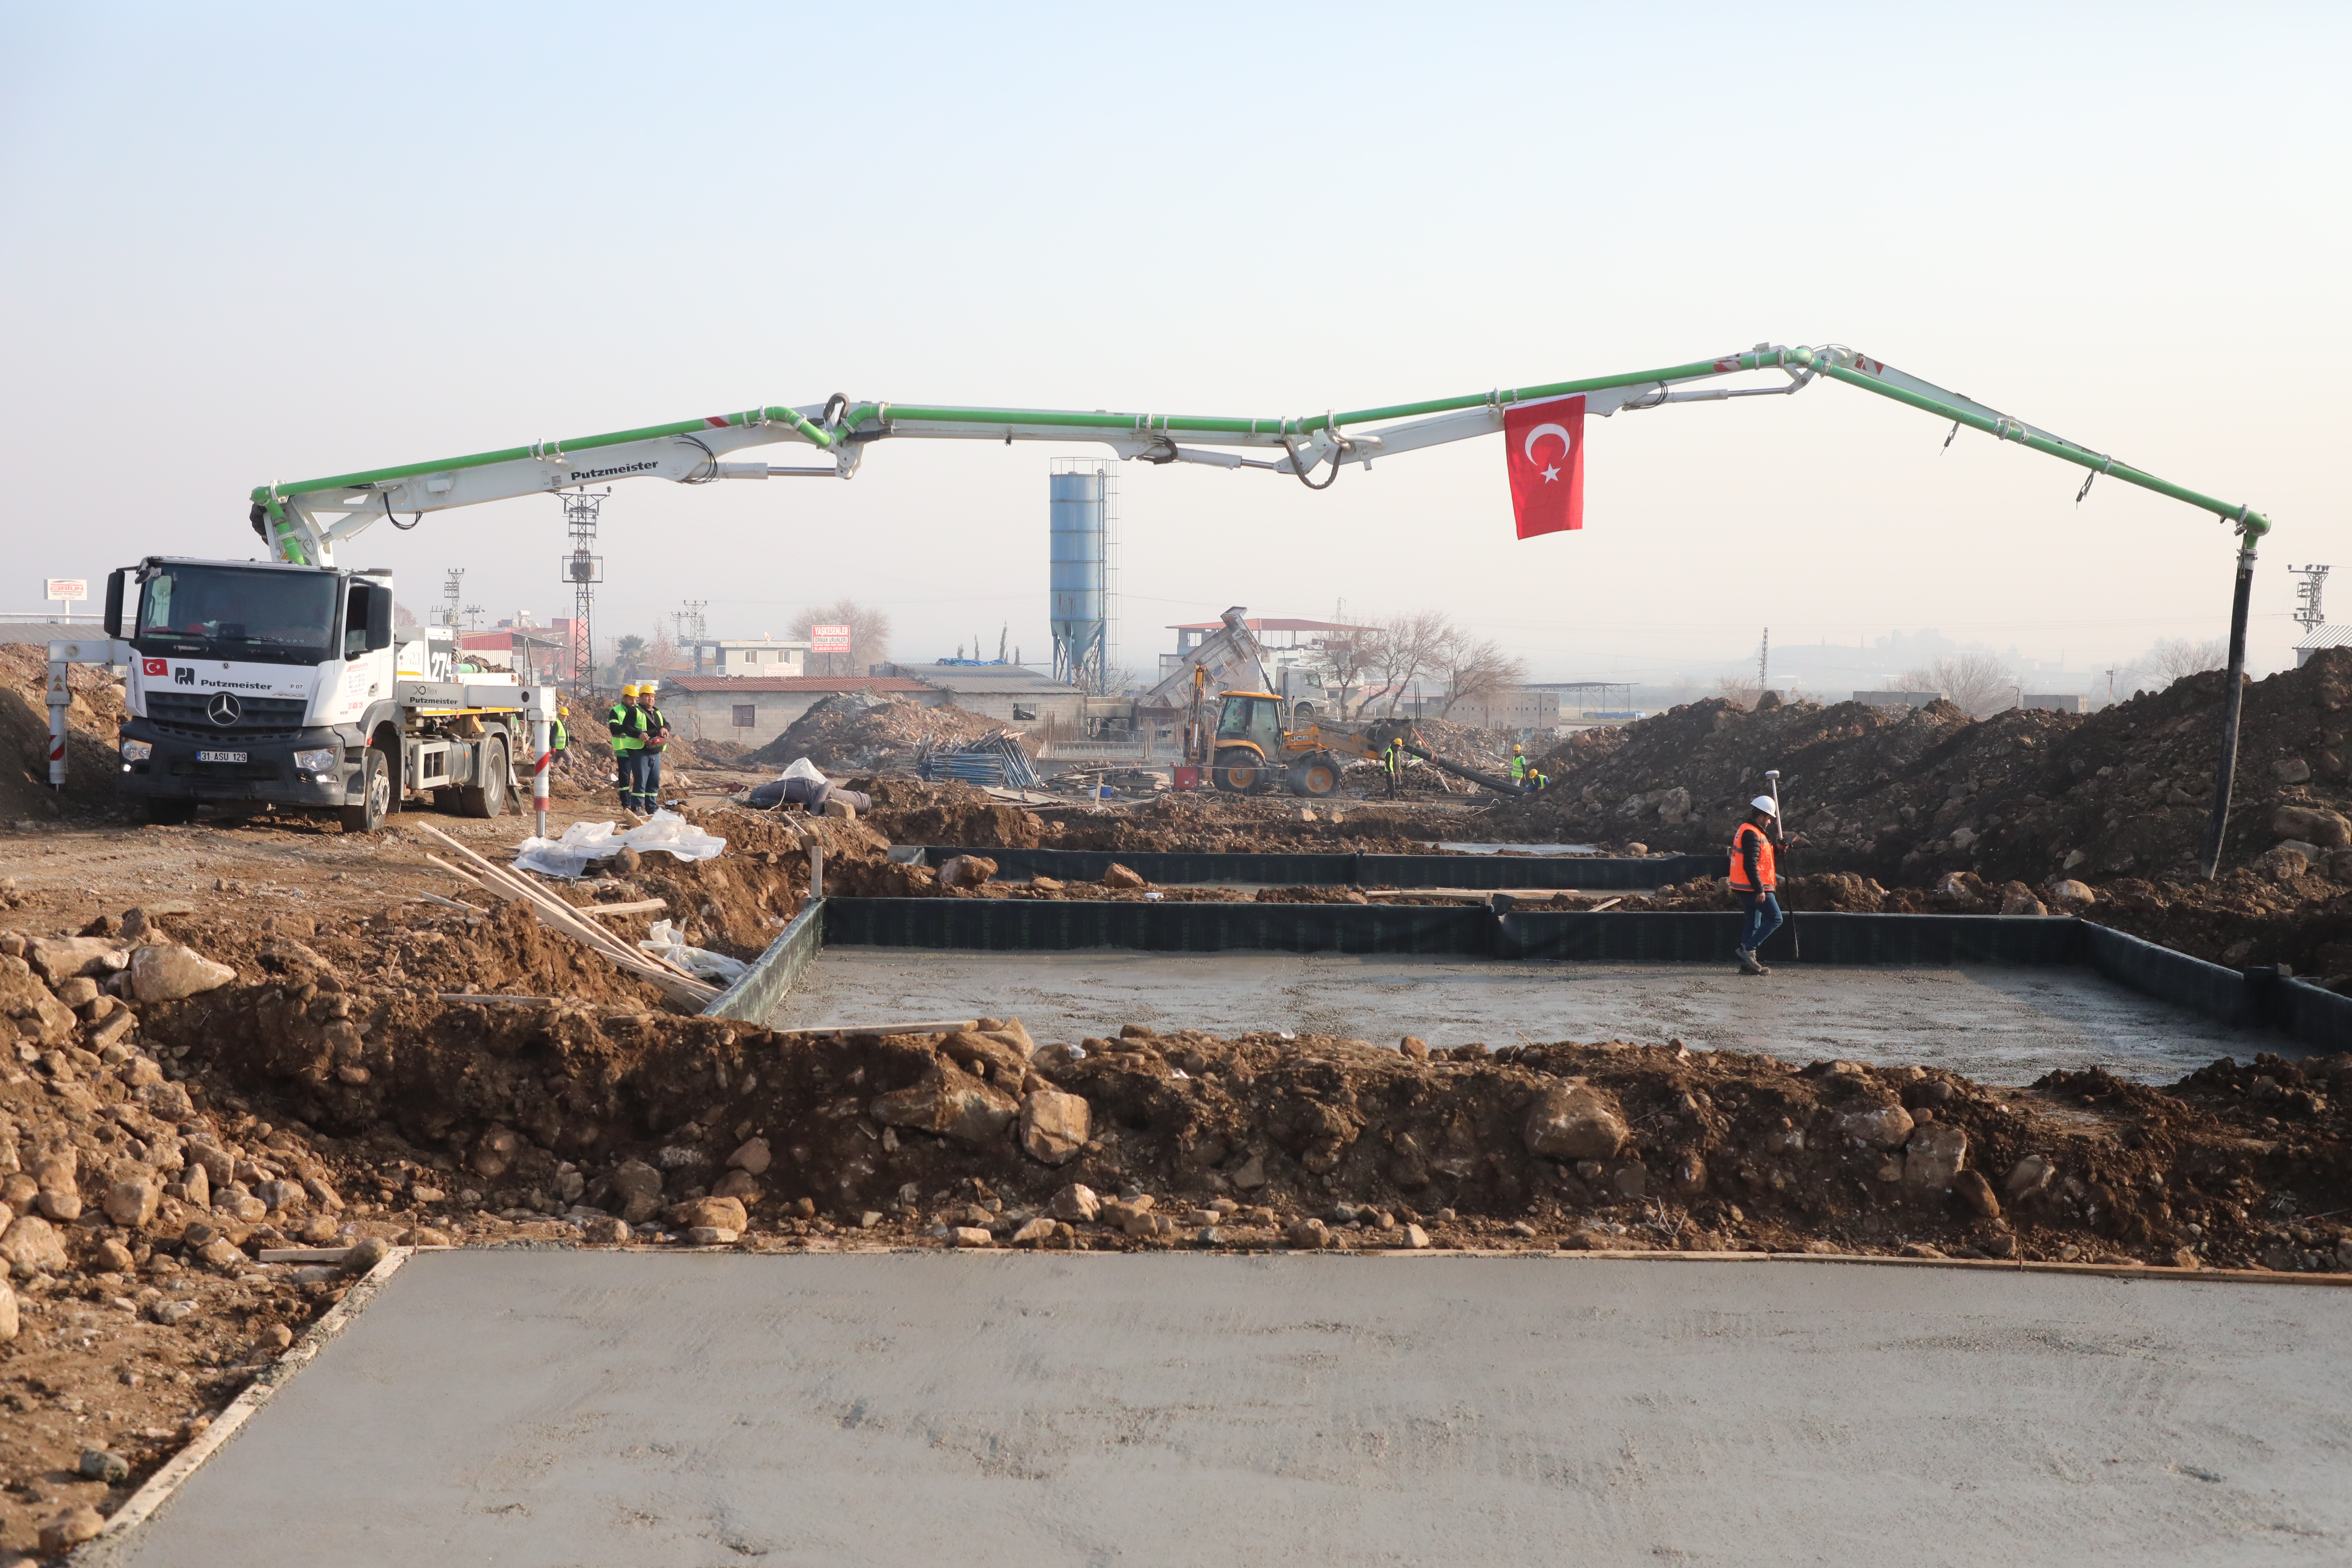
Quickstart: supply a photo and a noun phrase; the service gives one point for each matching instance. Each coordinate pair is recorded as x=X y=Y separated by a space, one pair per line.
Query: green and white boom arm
x=304 y=521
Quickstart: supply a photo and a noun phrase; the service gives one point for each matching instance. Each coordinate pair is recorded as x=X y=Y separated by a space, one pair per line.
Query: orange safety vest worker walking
x=1753 y=882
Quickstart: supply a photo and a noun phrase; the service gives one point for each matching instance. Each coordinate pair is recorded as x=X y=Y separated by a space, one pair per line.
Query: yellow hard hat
x=564 y=713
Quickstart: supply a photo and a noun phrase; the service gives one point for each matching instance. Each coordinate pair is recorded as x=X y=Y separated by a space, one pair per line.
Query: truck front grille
x=189 y=713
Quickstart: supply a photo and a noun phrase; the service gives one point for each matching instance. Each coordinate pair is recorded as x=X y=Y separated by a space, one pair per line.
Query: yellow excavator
x=1257 y=747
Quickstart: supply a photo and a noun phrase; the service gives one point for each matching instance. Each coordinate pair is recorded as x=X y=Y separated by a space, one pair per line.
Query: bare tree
x=1740 y=690
x=2169 y=659
x=1979 y=682
x=1347 y=659
x=870 y=636
x=1406 y=647
x=1475 y=669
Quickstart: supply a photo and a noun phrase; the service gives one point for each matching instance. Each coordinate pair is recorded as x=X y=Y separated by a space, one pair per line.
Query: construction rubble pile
x=883 y=732
x=1906 y=795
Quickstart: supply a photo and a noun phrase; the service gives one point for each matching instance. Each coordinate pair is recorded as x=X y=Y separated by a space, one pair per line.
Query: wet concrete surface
x=582 y=1409
x=1994 y=1024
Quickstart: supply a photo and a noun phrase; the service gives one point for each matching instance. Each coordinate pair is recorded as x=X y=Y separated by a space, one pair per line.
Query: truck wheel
x=164 y=813
x=488 y=796
x=1241 y=771
x=375 y=795
x=1315 y=777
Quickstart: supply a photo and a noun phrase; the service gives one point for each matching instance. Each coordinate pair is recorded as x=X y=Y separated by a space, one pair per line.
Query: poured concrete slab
x=581 y=1409
x=1994 y=1024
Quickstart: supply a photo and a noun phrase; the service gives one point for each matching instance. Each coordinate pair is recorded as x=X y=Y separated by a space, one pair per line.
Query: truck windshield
x=239 y=614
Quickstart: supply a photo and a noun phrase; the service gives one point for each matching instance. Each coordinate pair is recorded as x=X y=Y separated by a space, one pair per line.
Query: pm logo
x=183 y=676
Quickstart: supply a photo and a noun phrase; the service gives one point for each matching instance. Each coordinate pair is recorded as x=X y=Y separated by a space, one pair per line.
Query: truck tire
x=375 y=795
x=486 y=796
x=1241 y=771
x=1315 y=777
x=165 y=813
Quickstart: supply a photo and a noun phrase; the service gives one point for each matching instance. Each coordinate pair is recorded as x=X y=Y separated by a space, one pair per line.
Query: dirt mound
x=854 y=729
x=92 y=724
x=1908 y=796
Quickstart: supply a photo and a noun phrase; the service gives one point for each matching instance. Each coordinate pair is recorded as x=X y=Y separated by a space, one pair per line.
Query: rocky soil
x=1905 y=796
x=861 y=730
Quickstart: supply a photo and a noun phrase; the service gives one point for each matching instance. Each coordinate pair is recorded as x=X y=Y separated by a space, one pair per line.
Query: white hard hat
x=1763 y=802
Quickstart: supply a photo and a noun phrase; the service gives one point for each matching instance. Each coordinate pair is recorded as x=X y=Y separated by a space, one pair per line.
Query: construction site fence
x=2252 y=998
x=1592 y=873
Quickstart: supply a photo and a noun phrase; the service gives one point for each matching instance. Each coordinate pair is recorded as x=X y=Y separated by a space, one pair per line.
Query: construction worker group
x=639 y=732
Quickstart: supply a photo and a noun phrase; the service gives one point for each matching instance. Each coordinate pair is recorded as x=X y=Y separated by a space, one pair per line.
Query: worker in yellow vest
x=654 y=731
x=627 y=723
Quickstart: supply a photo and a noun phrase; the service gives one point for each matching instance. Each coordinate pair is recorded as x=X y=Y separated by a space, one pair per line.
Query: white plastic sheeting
x=665 y=941
x=585 y=842
x=802 y=768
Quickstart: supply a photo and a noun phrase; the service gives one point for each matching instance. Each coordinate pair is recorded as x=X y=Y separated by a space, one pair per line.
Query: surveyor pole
x=2234 y=693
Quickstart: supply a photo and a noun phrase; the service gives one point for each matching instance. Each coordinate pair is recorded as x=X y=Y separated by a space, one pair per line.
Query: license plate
x=220 y=756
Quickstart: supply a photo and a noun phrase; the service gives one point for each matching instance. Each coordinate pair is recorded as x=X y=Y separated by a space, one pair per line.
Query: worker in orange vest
x=1753 y=882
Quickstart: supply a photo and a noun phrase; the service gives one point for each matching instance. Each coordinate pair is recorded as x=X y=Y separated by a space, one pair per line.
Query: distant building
x=1513 y=708
x=1015 y=696
x=2320 y=638
x=752 y=710
x=2055 y=702
x=736 y=657
x=1901 y=699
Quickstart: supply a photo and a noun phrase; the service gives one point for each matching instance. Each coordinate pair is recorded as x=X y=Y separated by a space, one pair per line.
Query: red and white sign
x=69 y=589
x=1543 y=451
x=829 y=639
x=154 y=666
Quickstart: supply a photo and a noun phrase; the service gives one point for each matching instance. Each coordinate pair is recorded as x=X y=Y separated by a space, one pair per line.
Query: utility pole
x=452 y=590
x=1764 y=665
x=583 y=569
x=692 y=630
x=2309 y=614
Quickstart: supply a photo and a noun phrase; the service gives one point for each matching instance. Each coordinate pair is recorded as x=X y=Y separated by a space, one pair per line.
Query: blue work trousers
x=1763 y=919
x=625 y=764
x=648 y=783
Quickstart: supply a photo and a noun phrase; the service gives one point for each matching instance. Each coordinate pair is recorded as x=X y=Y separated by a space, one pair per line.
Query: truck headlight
x=137 y=751
x=321 y=761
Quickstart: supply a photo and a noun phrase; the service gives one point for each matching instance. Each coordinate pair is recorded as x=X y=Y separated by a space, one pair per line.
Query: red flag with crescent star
x=1543 y=450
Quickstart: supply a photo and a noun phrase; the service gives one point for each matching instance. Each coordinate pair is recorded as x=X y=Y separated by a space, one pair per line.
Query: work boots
x=1749 y=963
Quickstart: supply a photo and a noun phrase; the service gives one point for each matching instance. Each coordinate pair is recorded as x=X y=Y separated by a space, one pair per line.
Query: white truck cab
x=266 y=682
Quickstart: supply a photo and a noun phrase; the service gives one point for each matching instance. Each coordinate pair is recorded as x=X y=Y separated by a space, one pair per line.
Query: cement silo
x=1084 y=493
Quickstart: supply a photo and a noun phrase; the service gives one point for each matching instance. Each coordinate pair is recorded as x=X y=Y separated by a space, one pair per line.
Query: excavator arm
x=305 y=519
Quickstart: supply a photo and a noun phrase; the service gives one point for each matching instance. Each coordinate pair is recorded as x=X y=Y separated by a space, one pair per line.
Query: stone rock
x=2290 y=769
x=216 y=1163
x=112 y=1257
x=63 y=1208
x=2070 y=894
x=133 y=1204
x=2027 y=1177
x=604 y=1229
x=2182 y=1257
x=1574 y=1122
x=77 y=993
x=282 y=1195
x=98 y=1464
x=737 y=1184
x=2018 y=901
x=220 y=1254
x=1415 y=1238
x=639 y=1188
x=755 y=1157
x=29 y=1005
x=109 y=1031
x=1310 y=1233
x=193 y=1186
x=168 y=1100
x=10 y=1324
x=1036 y=1233
x=1414 y=1048
x=710 y=1235
x=1010 y=1032
x=966 y=871
x=170 y=1314
x=1119 y=876
x=494 y=1153
x=970 y=1235
x=32 y=1244
x=62 y=1533
x=1877 y=1126
x=951 y=1103
x=1934 y=1157
x=59 y=958
x=1976 y=1193
x=364 y=1255
x=1075 y=1203
x=2315 y=823
x=167 y=971
x=1634 y=1180
x=718 y=1214
x=319 y=1193
x=59 y=1173
x=1252 y=1175
x=1055 y=1125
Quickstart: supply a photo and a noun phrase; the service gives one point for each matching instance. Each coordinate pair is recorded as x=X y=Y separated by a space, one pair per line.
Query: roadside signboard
x=68 y=590
x=829 y=639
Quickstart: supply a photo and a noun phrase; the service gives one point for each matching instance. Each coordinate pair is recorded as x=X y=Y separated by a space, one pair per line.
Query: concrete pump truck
x=286 y=681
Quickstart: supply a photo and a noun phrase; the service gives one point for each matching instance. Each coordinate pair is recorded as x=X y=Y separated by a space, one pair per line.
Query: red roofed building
x=752 y=710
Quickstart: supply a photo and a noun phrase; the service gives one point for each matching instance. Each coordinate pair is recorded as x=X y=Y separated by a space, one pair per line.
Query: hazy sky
x=242 y=244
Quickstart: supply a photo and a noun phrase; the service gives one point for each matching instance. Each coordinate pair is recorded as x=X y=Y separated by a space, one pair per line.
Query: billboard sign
x=69 y=589
x=829 y=639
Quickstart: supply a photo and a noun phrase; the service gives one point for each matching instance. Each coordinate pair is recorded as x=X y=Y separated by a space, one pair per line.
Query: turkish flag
x=1543 y=450
x=153 y=667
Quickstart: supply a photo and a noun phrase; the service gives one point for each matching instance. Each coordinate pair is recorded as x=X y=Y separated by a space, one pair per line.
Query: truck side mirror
x=379 y=617
x=114 y=583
